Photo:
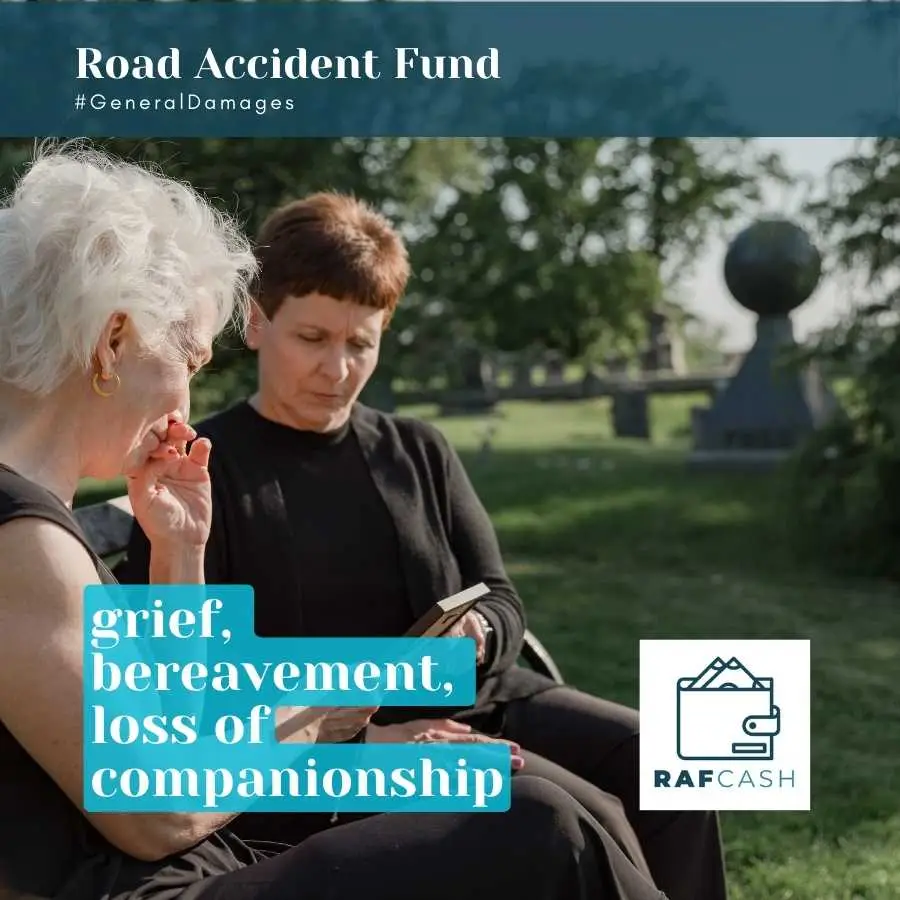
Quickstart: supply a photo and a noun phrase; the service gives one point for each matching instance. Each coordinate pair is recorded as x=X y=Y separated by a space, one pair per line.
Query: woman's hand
x=470 y=626
x=437 y=731
x=171 y=494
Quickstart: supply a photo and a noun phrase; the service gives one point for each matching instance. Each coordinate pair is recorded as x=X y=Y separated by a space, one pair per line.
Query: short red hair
x=332 y=244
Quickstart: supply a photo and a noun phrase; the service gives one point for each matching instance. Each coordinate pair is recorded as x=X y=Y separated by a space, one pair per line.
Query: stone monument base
x=765 y=410
x=630 y=411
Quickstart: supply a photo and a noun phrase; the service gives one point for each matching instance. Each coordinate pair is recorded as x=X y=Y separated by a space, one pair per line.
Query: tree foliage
x=846 y=479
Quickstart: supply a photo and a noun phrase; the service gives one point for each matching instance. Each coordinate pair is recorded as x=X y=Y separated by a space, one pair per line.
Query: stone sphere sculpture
x=772 y=267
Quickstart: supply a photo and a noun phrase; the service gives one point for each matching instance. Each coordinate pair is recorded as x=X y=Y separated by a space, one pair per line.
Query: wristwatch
x=488 y=630
x=486 y=626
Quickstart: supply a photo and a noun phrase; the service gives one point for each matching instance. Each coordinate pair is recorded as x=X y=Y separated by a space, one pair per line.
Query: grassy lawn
x=610 y=541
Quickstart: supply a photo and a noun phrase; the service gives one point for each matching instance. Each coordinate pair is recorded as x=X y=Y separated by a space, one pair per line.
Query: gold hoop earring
x=95 y=384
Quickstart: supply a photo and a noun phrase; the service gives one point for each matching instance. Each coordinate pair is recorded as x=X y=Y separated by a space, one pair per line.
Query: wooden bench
x=107 y=526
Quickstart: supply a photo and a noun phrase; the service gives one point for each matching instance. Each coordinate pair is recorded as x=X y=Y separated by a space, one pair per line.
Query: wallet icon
x=726 y=713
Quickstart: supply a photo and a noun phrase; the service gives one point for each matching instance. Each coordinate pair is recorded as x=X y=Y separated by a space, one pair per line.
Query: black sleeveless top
x=48 y=848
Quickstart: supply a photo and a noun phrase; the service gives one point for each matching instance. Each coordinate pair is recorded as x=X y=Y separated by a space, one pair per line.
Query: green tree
x=846 y=478
x=521 y=257
x=680 y=192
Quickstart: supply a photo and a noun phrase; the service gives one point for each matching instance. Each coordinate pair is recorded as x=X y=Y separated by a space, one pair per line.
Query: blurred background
x=567 y=317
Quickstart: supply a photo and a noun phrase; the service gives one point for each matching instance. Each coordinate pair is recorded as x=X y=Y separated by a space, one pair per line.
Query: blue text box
x=299 y=778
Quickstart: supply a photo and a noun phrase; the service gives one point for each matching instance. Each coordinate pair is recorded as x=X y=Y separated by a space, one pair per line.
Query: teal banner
x=437 y=69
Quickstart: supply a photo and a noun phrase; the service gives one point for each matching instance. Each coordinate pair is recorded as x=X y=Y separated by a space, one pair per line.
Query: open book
x=300 y=724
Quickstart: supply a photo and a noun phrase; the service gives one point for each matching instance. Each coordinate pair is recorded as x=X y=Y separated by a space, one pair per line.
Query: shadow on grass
x=635 y=506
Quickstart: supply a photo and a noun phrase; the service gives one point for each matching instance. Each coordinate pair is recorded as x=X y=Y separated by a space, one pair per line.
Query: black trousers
x=546 y=847
x=589 y=747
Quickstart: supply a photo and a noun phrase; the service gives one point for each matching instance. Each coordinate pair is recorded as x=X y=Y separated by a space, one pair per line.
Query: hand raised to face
x=171 y=494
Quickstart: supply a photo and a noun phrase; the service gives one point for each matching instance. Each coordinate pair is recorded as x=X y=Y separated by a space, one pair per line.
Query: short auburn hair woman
x=332 y=244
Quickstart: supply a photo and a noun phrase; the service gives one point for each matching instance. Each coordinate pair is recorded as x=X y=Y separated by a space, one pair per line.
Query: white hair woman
x=114 y=283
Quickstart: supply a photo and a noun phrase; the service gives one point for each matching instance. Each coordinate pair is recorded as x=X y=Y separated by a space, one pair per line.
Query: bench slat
x=107 y=525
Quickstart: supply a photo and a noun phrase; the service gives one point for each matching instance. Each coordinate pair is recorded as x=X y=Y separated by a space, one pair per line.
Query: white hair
x=85 y=235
